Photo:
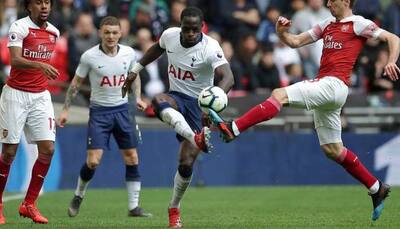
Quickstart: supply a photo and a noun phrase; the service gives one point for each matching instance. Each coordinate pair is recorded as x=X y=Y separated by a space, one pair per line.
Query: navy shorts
x=104 y=121
x=190 y=109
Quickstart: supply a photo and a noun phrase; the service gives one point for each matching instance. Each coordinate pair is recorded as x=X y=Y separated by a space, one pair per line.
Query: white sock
x=180 y=186
x=178 y=122
x=374 y=188
x=81 y=187
x=235 y=129
x=133 y=188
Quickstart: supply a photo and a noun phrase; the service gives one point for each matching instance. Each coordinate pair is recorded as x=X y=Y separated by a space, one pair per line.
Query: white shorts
x=326 y=98
x=31 y=112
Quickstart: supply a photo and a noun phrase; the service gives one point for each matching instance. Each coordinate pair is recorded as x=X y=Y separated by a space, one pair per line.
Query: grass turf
x=225 y=207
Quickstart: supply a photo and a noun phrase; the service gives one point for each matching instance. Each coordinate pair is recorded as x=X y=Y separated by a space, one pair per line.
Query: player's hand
x=282 y=25
x=392 y=71
x=50 y=71
x=127 y=87
x=63 y=118
x=140 y=104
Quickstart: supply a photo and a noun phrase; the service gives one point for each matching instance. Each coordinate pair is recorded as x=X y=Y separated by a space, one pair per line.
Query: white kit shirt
x=191 y=69
x=106 y=73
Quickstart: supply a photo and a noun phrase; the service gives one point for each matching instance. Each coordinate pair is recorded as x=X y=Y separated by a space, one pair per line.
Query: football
x=213 y=97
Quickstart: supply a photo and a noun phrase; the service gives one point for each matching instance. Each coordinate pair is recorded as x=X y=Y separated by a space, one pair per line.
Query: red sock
x=350 y=162
x=39 y=172
x=262 y=112
x=4 y=171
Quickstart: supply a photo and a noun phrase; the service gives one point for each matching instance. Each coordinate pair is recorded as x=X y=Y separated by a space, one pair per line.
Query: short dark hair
x=352 y=2
x=26 y=4
x=192 y=11
x=109 y=20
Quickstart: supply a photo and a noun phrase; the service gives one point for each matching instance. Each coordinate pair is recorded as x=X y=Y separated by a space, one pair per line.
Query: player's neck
x=40 y=23
x=345 y=14
x=109 y=51
x=188 y=45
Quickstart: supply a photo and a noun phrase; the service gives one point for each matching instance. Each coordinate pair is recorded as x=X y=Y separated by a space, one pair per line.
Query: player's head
x=38 y=10
x=339 y=7
x=110 y=31
x=191 y=24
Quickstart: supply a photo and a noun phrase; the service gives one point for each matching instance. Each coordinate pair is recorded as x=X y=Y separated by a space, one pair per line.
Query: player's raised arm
x=72 y=91
x=18 y=61
x=151 y=54
x=224 y=72
x=292 y=40
x=393 y=41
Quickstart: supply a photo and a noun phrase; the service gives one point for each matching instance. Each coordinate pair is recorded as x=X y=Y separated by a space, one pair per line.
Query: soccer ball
x=212 y=97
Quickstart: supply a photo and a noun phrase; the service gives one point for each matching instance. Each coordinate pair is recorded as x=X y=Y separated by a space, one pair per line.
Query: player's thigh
x=130 y=156
x=325 y=93
x=188 y=153
x=40 y=123
x=124 y=130
x=99 y=130
x=13 y=114
x=328 y=126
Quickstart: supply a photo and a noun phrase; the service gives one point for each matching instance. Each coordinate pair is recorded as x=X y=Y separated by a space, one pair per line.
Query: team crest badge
x=5 y=133
x=345 y=28
x=52 y=39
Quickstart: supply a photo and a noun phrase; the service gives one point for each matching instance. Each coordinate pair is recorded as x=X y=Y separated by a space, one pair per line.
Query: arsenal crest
x=52 y=39
x=345 y=28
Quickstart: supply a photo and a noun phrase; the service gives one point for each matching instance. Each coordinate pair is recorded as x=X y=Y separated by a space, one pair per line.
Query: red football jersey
x=37 y=45
x=343 y=41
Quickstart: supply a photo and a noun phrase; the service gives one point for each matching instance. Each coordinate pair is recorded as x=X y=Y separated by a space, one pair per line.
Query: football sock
x=133 y=188
x=39 y=172
x=86 y=174
x=132 y=178
x=176 y=120
x=350 y=162
x=180 y=186
x=5 y=164
x=262 y=112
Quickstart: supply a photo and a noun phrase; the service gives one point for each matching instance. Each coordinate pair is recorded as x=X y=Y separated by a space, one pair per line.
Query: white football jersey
x=191 y=69
x=106 y=73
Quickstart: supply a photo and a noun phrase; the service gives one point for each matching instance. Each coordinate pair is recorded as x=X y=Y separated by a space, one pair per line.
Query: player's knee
x=7 y=158
x=185 y=170
x=46 y=149
x=131 y=158
x=331 y=151
x=158 y=106
x=92 y=164
x=280 y=95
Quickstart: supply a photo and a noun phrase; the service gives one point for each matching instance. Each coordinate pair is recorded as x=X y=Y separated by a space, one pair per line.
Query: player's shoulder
x=172 y=31
x=210 y=42
x=21 y=25
x=126 y=49
x=324 y=23
x=92 y=52
x=51 y=28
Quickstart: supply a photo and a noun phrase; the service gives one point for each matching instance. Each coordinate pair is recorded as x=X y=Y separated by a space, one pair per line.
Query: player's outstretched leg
x=202 y=140
x=378 y=200
x=133 y=186
x=85 y=175
x=174 y=218
x=224 y=127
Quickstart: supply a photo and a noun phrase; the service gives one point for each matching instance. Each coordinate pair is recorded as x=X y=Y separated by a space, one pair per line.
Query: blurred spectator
x=369 y=9
x=64 y=14
x=267 y=75
x=99 y=9
x=246 y=50
x=284 y=55
x=376 y=80
x=8 y=14
x=83 y=36
x=235 y=65
x=283 y=6
x=59 y=60
x=304 y=20
x=294 y=73
x=266 y=31
x=177 y=7
x=216 y=36
x=391 y=19
x=127 y=38
x=296 y=6
x=239 y=18
x=150 y=76
x=262 y=5
x=152 y=14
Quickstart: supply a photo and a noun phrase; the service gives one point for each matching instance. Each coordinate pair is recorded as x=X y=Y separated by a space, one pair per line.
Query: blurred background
x=282 y=151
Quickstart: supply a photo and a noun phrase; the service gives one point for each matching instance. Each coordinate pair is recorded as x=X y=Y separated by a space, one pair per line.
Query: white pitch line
x=13 y=197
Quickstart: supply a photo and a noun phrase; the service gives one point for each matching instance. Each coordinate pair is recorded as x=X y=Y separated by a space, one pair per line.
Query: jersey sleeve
x=84 y=67
x=16 y=35
x=215 y=56
x=366 y=28
x=317 y=30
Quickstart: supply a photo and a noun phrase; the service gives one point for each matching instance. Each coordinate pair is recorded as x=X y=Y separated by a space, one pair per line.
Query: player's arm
x=292 y=40
x=18 y=61
x=140 y=104
x=393 y=41
x=154 y=52
x=72 y=91
x=224 y=73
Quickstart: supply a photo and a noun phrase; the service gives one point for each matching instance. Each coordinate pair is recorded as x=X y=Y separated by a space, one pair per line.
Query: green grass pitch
x=224 y=207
